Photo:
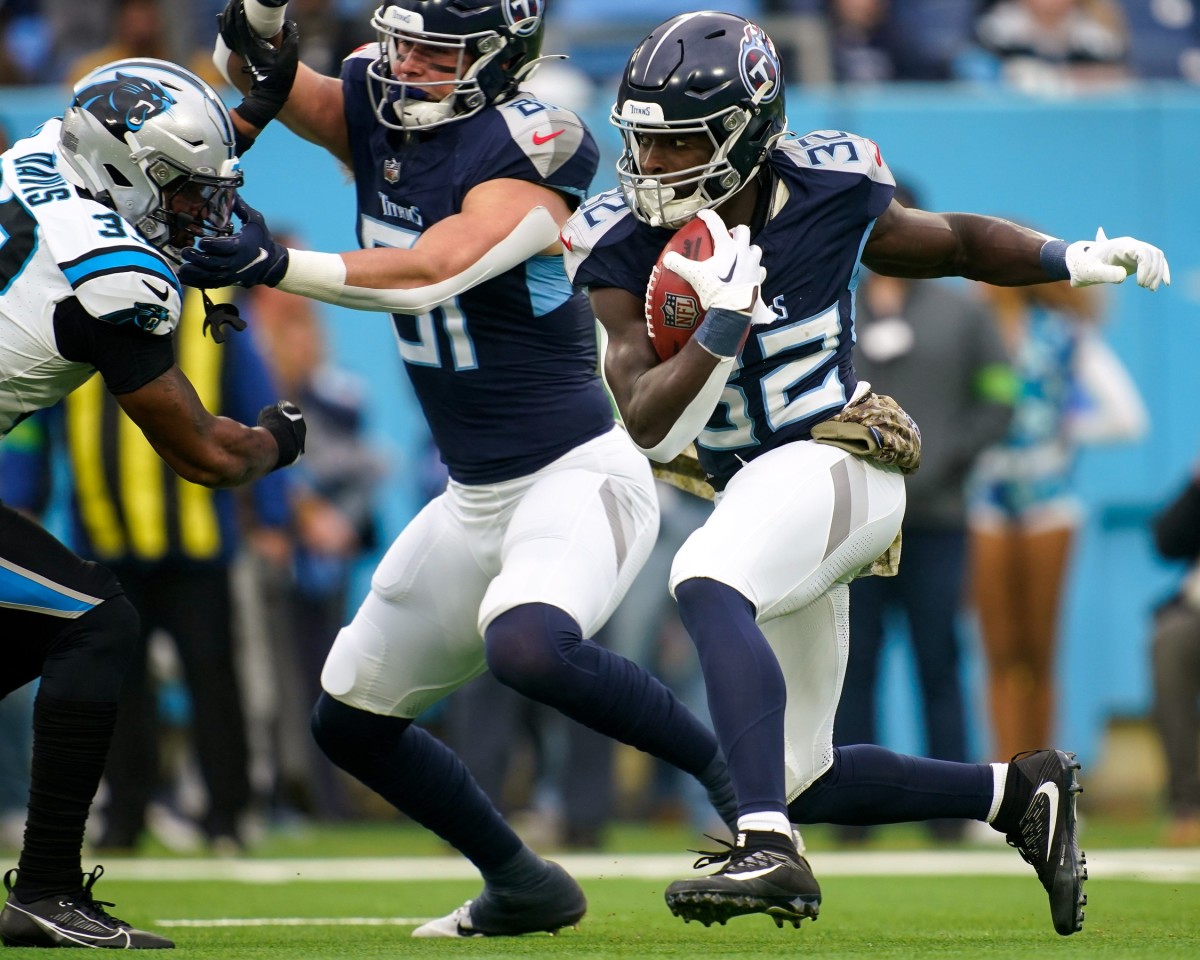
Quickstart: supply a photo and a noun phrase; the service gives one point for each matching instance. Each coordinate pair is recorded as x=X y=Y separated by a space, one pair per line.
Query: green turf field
x=862 y=917
x=356 y=892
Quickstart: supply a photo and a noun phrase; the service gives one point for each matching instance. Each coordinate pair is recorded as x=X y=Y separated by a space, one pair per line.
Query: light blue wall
x=1122 y=161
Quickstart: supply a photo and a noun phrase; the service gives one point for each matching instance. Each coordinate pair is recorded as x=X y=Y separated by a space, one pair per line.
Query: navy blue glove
x=250 y=257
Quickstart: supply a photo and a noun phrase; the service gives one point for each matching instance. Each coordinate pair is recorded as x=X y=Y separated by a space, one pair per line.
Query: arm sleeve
x=127 y=357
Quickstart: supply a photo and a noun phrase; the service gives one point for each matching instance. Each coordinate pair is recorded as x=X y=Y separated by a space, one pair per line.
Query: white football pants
x=573 y=535
x=789 y=532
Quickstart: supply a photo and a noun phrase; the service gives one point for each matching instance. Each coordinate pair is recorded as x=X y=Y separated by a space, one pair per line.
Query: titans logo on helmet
x=759 y=63
x=123 y=103
x=517 y=10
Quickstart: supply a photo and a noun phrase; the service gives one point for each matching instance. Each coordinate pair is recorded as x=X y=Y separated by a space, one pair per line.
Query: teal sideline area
x=1124 y=161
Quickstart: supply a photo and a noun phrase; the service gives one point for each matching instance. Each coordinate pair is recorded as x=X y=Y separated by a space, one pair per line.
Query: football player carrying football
x=762 y=586
x=94 y=211
x=463 y=183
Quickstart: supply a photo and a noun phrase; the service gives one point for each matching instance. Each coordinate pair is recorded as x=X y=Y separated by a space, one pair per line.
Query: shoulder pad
x=127 y=284
x=837 y=150
x=548 y=135
x=588 y=225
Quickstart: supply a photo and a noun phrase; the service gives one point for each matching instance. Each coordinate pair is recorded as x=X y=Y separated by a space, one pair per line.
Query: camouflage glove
x=874 y=426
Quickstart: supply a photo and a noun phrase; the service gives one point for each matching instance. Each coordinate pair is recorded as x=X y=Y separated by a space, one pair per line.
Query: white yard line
x=1164 y=866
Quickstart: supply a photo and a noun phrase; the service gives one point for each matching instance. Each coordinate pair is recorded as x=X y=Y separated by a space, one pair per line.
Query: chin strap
x=218 y=316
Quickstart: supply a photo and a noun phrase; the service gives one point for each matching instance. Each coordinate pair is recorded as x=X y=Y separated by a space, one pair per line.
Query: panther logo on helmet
x=517 y=11
x=124 y=103
x=759 y=63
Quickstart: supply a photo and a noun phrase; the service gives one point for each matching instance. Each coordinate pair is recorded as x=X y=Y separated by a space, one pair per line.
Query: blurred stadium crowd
x=291 y=574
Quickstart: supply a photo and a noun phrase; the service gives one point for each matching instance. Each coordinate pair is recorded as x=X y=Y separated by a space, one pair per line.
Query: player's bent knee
x=89 y=655
x=524 y=647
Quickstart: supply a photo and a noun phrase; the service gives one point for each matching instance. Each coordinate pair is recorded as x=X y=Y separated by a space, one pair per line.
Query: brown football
x=673 y=309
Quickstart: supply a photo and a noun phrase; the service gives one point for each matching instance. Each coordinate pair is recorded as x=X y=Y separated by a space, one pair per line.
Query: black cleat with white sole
x=1047 y=837
x=762 y=873
x=70 y=920
x=555 y=903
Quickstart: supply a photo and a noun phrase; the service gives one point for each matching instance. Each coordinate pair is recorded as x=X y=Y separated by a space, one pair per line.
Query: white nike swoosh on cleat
x=752 y=874
x=1050 y=791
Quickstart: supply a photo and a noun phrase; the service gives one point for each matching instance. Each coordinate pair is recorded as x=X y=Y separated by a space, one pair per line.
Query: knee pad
x=88 y=656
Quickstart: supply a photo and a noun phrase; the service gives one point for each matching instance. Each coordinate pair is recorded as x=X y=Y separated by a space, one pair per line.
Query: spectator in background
x=170 y=544
x=1176 y=661
x=1055 y=45
x=940 y=353
x=333 y=520
x=1071 y=389
x=139 y=29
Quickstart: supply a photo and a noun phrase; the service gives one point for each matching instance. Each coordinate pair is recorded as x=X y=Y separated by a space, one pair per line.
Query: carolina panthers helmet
x=154 y=142
x=707 y=73
x=497 y=42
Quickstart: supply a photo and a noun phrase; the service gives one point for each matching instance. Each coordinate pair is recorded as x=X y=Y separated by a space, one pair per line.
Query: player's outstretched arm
x=502 y=223
x=209 y=450
x=308 y=103
x=916 y=243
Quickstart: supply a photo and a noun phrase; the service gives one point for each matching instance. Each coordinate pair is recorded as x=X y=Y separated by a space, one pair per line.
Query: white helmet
x=154 y=142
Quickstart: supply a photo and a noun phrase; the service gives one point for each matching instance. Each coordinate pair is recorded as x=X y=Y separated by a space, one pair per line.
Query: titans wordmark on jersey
x=830 y=186
x=505 y=372
x=67 y=261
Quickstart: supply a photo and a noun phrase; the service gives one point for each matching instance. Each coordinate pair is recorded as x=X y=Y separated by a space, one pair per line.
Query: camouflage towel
x=875 y=427
x=685 y=473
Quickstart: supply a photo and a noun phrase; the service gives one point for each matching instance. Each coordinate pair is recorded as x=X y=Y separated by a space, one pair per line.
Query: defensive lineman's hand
x=731 y=277
x=250 y=257
x=1111 y=261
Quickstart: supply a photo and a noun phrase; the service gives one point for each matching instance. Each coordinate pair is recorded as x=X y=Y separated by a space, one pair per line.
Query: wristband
x=285 y=423
x=1054 y=259
x=722 y=332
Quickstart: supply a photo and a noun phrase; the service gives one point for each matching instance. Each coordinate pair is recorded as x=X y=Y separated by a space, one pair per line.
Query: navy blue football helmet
x=497 y=42
x=699 y=73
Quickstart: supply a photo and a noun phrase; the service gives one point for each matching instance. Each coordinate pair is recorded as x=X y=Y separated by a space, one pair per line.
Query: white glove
x=1111 y=261
x=731 y=277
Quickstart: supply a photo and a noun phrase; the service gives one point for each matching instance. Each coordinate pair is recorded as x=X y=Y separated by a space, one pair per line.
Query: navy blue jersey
x=830 y=186
x=505 y=372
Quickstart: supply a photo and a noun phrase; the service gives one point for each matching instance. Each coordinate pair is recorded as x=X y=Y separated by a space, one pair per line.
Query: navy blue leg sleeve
x=870 y=785
x=746 y=692
x=418 y=775
x=539 y=651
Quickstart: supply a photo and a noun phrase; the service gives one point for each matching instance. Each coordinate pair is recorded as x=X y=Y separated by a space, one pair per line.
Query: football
x=673 y=309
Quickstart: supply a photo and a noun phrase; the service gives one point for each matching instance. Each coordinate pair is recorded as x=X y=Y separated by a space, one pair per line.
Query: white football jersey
x=55 y=245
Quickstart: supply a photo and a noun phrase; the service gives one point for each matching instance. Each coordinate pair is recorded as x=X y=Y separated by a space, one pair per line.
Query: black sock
x=70 y=745
x=870 y=785
x=419 y=775
x=746 y=691
x=537 y=650
x=523 y=871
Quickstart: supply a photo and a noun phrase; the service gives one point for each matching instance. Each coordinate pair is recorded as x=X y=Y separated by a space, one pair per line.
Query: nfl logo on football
x=680 y=311
x=391 y=170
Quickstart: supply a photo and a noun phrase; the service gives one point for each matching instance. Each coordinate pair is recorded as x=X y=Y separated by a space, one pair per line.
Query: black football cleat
x=73 y=919
x=1046 y=836
x=762 y=873
x=556 y=903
